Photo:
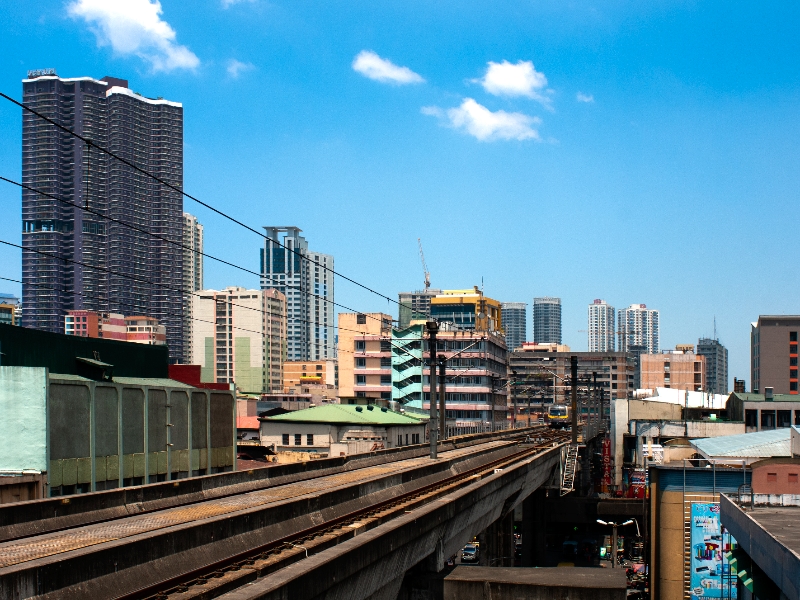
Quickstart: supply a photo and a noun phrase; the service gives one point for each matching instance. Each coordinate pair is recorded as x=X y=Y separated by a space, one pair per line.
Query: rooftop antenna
x=715 y=328
x=424 y=265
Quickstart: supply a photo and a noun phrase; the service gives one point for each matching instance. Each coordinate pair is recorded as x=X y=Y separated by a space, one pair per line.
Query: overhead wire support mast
x=193 y=198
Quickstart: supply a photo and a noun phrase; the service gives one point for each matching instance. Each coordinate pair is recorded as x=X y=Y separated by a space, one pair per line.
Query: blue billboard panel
x=711 y=574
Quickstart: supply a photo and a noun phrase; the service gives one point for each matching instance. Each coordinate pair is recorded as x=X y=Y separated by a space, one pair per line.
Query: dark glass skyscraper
x=122 y=270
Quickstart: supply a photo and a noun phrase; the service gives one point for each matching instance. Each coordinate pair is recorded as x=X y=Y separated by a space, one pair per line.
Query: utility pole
x=442 y=397
x=574 y=367
x=593 y=406
x=512 y=382
x=433 y=329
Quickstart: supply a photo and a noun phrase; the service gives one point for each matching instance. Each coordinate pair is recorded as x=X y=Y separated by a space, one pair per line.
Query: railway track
x=269 y=526
x=241 y=569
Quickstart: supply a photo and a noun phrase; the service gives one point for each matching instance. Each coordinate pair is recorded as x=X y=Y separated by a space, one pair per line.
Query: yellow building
x=297 y=373
x=467 y=309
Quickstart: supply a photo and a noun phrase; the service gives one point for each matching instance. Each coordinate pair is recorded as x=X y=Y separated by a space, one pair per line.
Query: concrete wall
x=776 y=476
x=23 y=419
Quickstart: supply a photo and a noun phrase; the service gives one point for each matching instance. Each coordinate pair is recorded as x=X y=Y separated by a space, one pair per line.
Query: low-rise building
x=762 y=412
x=297 y=373
x=9 y=309
x=679 y=369
x=145 y=330
x=340 y=430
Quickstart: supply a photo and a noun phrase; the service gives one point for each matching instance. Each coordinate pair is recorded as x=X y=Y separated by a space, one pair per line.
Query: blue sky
x=635 y=152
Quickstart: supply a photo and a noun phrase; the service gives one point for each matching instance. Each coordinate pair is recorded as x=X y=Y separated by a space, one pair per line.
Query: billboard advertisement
x=711 y=575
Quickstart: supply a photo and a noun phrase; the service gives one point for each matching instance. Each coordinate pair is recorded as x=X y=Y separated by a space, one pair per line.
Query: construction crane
x=424 y=265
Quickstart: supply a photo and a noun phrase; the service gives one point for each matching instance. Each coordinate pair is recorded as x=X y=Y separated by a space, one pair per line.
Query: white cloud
x=581 y=97
x=485 y=125
x=135 y=27
x=236 y=68
x=380 y=69
x=521 y=79
x=229 y=3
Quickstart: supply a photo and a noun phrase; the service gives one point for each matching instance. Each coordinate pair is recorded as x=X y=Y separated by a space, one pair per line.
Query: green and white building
x=239 y=336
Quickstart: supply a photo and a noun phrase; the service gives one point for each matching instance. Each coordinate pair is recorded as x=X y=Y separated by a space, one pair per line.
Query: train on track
x=559 y=417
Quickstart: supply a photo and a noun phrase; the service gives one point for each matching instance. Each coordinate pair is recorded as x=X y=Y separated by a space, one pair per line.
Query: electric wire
x=179 y=190
x=173 y=242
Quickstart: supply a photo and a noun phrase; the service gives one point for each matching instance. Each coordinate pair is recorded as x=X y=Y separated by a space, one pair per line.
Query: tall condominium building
x=547 y=320
x=773 y=354
x=192 y=274
x=601 y=327
x=515 y=324
x=306 y=279
x=73 y=259
x=240 y=337
x=415 y=306
x=716 y=356
x=637 y=327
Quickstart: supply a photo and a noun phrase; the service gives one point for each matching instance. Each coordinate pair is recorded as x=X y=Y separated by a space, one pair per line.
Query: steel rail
x=180 y=583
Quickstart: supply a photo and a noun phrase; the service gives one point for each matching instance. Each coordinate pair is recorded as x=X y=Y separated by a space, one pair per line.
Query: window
x=361 y=345
x=400 y=440
x=792 y=348
x=361 y=380
x=792 y=373
x=793 y=478
x=386 y=361
x=361 y=319
x=793 y=361
x=767 y=419
x=793 y=388
x=784 y=418
x=772 y=477
x=386 y=346
x=310 y=439
x=298 y=439
x=697 y=378
x=361 y=363
x=697 y=367
x=406 y=439
x=751 y=418
x=319 y=367
x=792 y=336
x=285 y=439
x=386 y=380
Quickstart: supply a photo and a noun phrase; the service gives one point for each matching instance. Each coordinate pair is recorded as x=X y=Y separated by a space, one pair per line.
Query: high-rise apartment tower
x=601 y=327
x=515 y=324
x=305 y=277
x=192 y=274
x=415 y=306
x=547 y=320
x=716 y=356
x=637 y=327
x=73 y=259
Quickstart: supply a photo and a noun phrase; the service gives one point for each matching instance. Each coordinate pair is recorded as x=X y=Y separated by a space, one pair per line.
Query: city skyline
x=658 y=132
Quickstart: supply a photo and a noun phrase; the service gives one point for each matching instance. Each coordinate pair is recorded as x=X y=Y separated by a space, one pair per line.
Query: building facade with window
x=676 y=369
x=762 y=412
x=305 y=277
x=515 y=323
x=239 y=337
x=638 y=329
x=192 y=274
x=601 y=327
x=76 y=260
x=773 y=354
x=716 y=356
x=334 y=430
x=415 y=306
x=365 y=355
x=297 y=373
x=547 y=320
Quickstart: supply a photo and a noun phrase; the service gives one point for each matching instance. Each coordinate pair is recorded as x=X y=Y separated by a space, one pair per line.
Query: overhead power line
x=175 y=188
x=173 y=242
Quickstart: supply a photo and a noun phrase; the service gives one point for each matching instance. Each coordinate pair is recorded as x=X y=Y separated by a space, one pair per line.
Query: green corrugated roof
x=759 y=444
x=346 y=413
x=748 y=397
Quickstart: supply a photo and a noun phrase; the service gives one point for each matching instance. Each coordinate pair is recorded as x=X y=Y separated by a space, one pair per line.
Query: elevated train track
x=203 y=548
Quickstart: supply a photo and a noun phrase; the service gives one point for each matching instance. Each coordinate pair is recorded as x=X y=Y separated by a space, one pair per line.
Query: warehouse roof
x=760 y=397
x=346 y=413
x=759 y=444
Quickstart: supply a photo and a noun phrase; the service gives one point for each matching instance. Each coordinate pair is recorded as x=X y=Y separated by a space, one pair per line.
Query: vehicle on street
x=470 y=554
